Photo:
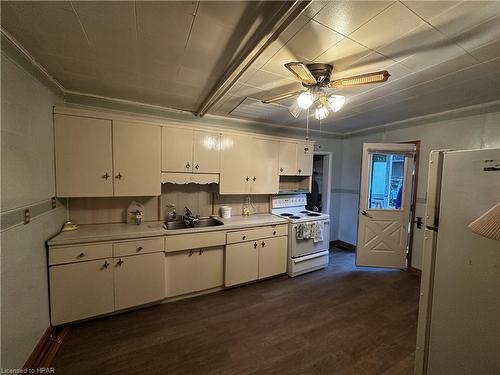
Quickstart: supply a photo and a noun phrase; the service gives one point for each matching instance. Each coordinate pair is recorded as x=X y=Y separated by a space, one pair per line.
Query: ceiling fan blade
x=279 y=97
x=301 y=71
x=362 y=79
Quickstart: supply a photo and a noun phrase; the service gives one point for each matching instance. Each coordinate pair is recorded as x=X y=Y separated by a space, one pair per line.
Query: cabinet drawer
x=153 y=245
x=257 y=233
x=79 y=253
x=194 y=240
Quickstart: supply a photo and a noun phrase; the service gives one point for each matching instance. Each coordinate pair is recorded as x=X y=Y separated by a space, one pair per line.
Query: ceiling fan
x=319 y=88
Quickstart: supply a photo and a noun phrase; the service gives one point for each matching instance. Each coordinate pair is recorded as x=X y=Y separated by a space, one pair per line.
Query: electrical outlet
x=27 y=216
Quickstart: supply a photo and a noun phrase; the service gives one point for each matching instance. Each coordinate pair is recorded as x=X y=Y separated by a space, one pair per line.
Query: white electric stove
x=304 y=255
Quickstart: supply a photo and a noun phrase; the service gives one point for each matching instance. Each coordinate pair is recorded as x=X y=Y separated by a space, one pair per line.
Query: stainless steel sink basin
x=200 y=223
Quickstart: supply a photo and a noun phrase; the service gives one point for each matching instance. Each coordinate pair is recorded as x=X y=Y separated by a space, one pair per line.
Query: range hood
x=189 y=178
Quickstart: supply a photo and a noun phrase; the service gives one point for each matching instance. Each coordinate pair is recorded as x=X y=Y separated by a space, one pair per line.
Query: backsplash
x=202 y=200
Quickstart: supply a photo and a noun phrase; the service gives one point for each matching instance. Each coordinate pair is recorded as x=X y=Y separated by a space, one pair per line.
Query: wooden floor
x=341 y=320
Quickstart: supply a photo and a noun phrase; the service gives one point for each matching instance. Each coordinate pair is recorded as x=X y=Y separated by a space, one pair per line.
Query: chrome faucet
x=189 y=218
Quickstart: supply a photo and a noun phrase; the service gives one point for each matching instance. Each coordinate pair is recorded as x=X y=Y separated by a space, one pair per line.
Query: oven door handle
x=311 y=256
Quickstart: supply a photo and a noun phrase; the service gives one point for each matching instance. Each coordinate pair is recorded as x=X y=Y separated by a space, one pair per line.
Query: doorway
x=321 y=184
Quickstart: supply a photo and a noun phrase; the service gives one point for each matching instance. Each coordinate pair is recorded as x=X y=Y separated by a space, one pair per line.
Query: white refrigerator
x=459 y=313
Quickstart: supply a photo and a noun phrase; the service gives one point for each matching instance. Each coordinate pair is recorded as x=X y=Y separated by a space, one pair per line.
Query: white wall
x=27 y=177
x=466 y=129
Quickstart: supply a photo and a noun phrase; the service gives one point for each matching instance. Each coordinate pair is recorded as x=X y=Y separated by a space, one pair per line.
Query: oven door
x=300 y=248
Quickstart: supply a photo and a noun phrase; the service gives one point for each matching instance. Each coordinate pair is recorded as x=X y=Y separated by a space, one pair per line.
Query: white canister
x=225 y=212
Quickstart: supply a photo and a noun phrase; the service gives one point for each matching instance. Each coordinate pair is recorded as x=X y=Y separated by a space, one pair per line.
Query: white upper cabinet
x=287 y=158
x=305 y=154
x=177 y=149
x=295 y=158
x=136 y=159
x=99 y=158
x=264 y=179
x=186 y=150
x=235 y=164
x=206 y=151
x=83 y=156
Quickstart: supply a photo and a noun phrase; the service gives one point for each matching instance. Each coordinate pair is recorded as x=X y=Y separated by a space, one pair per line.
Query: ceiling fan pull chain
x=307 y=125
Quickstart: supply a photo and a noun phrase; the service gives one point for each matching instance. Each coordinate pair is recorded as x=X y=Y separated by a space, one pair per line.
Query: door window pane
x=385 y=190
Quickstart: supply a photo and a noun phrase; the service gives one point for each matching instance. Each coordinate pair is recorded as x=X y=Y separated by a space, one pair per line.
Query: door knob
x=119 y=176
x=106 y=176
x=197 y=166
x=364 y=213
x=188 y=165
x=255 y=245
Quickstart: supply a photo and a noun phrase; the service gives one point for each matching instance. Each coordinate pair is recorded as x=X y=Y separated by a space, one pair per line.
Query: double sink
x=180 y=223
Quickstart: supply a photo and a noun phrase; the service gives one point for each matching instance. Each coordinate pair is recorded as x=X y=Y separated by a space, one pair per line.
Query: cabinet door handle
x=120 y=262
x=244 y=237
x=274 y=233
x=197 y=166
x=188 y=165
x=105 y=265
x=200 y=252
x=300 y=170
x=119 y=176
x=190 y=252
x=263 y=244
x=248 y=178
x=254 y=179
x=81 y=255
x=255 y=245
x=106 y=176
x=139 y=248
x=281 y=169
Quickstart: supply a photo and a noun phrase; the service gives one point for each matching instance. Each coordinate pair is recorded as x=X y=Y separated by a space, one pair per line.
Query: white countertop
x=122 y=231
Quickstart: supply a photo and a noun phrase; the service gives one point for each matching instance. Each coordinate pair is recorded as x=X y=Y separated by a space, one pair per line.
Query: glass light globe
x=336 y=102
x=305 y=100
x=320 y=113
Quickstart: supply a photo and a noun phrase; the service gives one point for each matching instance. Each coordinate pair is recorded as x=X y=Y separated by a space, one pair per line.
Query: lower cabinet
x=253 y=260
x=193 y=270
x=139 y=279
x=81 y=290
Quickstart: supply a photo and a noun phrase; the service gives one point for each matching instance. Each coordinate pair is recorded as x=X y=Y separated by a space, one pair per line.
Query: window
x=386 y=181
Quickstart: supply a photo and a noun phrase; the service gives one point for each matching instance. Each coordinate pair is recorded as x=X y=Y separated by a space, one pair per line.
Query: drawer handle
x=197 y=166
x=106 y=176
x=119 y=176
x=190 y=252
x=81 y=255
x=244 y=237
x=200 y=252
x=139 y=248
x=188 y=165
x=300 y=170
x=248 y=178
x=105 y=265
x=263 y=244
x=253 y=179
x=120 y=262
x=255 y=245
x=281 y=169
x=274 y=233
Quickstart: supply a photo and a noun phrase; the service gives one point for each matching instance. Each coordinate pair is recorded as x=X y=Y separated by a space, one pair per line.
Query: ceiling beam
x=255 y=46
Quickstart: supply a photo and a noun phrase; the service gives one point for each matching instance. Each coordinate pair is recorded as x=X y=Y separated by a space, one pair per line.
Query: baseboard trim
x=343 y=245
x=415 y=271
x=47 y=347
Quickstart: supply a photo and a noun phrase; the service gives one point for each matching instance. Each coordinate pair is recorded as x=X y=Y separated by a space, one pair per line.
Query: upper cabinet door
x=136 y=159
x=236 y=159
x=177 y=149
x=287 y=158
x=83 y=157
x=206 y=152
x=305 y=154
x=264 y=179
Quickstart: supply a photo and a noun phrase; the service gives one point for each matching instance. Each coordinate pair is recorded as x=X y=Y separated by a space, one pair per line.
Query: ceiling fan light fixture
x=336 y=102
x=321 y=112
x=305 y=100
x=295 y=110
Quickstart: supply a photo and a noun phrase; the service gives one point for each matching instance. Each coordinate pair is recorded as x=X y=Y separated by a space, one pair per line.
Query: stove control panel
x=292 y=200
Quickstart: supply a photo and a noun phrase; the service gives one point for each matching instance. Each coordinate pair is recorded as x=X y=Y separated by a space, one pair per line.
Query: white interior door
x=384 y=204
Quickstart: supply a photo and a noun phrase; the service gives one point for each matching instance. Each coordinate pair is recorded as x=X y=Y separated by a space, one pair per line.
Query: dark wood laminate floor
x=341 y=320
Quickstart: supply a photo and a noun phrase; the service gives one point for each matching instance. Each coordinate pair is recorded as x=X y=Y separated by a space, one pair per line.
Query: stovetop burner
x=286 y=215
x=313 y=214
x=294 y=217
x=304 y=212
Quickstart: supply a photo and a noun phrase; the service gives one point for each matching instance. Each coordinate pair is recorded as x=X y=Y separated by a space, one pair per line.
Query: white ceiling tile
x=268 y=81
x=346 y=16
x=387 y=26
x=488 y=51
x=312 y=40
x=421 y=48
x=430 y=9
x=277 y=63
x=479 y=35
x=343 y=54
x=464 y=16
